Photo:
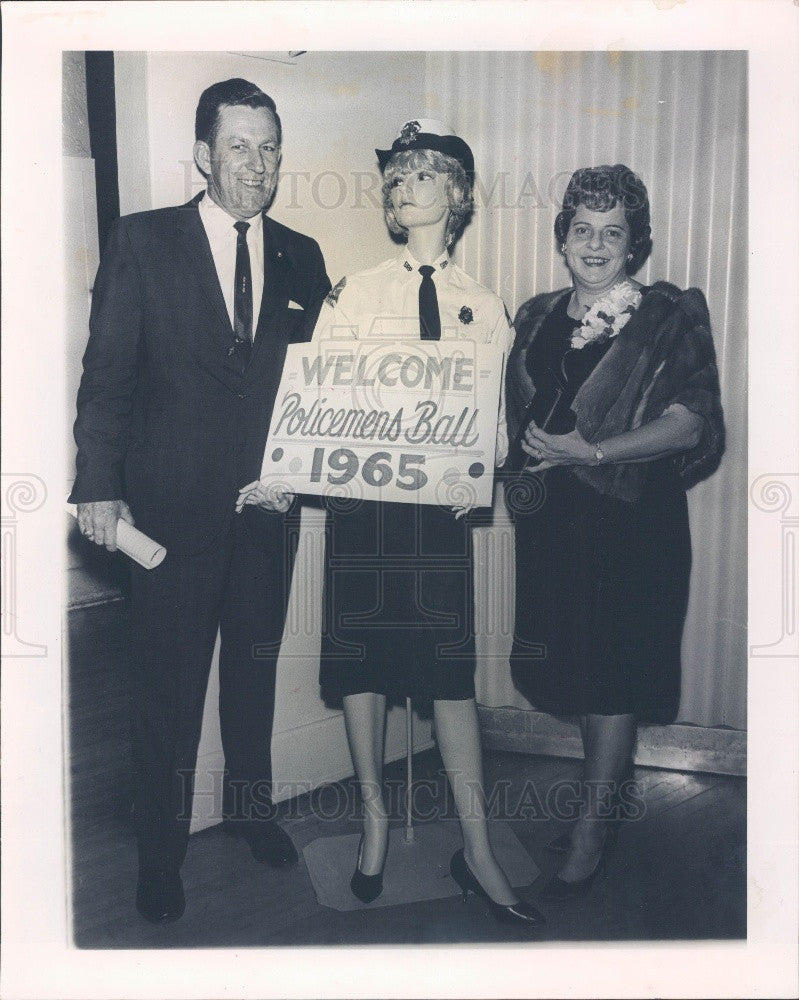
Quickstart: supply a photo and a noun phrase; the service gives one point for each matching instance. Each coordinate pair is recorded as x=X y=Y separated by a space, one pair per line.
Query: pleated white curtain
x=679 y=120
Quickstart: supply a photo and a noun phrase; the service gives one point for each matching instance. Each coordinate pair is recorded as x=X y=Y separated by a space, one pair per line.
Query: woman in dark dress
x=398 y=577
x=614 y=408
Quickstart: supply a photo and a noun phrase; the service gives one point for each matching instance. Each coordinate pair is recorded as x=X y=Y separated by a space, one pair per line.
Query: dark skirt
x=601 y=595
x=398 y=604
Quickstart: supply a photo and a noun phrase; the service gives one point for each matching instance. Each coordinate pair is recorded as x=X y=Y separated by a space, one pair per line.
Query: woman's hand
x=265 y=494
x=556 y=449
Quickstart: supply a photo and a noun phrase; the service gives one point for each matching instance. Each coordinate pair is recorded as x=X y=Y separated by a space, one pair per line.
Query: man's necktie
x=429 y=319
x=242 y=296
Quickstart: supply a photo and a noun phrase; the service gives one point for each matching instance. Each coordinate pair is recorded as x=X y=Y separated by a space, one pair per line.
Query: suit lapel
x=278 y=282
x=277 y=274
x=194 y=242
x=271 y=339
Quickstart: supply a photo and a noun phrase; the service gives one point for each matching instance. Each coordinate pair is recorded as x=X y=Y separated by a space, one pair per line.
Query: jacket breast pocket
x=296 y=326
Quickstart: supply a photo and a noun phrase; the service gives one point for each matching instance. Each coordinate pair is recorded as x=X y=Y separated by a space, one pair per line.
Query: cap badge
x=409 y=131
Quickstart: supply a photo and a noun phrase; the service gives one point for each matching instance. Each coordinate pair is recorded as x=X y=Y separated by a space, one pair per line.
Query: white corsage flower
x=607 y=315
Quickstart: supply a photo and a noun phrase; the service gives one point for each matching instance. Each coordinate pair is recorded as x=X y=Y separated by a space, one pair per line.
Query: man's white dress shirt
x=219 y=227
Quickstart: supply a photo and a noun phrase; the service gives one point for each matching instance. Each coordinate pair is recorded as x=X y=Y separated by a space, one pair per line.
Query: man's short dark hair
x=226 y=94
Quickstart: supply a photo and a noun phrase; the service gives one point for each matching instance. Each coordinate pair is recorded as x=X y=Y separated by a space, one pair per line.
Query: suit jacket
x=170 y=418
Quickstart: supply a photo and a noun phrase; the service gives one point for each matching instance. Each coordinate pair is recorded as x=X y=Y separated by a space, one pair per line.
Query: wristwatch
x=599 y=455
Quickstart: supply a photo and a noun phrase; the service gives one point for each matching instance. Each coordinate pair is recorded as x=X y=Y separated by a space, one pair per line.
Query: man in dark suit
x=192 y=311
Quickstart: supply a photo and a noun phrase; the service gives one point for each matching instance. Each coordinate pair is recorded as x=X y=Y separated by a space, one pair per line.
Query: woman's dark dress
x=601 y=583
x=398 y=603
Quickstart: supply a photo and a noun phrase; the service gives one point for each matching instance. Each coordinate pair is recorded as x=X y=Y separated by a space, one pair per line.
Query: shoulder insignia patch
x=333 y=294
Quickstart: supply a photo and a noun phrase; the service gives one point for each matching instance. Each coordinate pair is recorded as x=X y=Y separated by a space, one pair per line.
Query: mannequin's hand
x=265 y=494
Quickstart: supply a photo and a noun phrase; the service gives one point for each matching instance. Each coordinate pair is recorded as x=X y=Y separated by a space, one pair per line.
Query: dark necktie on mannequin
x=242 y=295
x=429 y=318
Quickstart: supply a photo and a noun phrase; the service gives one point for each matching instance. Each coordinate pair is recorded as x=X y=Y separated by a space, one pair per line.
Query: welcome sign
x=402 y=421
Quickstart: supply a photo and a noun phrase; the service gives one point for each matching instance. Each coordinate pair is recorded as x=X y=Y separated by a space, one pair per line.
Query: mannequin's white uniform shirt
x=383 y=302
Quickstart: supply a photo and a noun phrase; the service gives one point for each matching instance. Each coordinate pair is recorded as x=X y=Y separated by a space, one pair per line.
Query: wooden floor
x=678 y=872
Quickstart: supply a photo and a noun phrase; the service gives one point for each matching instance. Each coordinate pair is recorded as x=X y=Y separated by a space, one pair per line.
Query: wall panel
x=679 y=120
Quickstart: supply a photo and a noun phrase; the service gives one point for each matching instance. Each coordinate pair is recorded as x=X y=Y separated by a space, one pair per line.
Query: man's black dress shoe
x=159 y=897
x=269 y=843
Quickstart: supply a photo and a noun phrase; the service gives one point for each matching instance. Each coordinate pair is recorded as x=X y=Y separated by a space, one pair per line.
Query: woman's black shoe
x=559 y=890
x=561 y=844
x=366 y=887
x=515 y=913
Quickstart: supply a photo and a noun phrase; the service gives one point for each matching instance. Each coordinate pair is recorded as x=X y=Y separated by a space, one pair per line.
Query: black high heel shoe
x=558 y=890
x=515 y=913
x=366 y=887
x=561 y=844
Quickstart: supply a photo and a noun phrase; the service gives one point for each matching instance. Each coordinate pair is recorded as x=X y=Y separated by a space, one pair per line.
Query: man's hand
x=98 y=521
x=265 y=494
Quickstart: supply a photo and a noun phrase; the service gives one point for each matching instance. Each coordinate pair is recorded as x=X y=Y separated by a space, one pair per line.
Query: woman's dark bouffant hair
x=599 y=189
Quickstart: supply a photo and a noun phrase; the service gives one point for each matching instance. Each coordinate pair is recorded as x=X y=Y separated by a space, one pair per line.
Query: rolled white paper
x=134 y=543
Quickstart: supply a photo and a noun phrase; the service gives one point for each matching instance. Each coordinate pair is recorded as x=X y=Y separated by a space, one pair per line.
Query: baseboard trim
x=676 y=748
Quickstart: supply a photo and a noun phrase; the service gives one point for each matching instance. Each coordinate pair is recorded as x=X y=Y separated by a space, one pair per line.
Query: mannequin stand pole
x=409 y=836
